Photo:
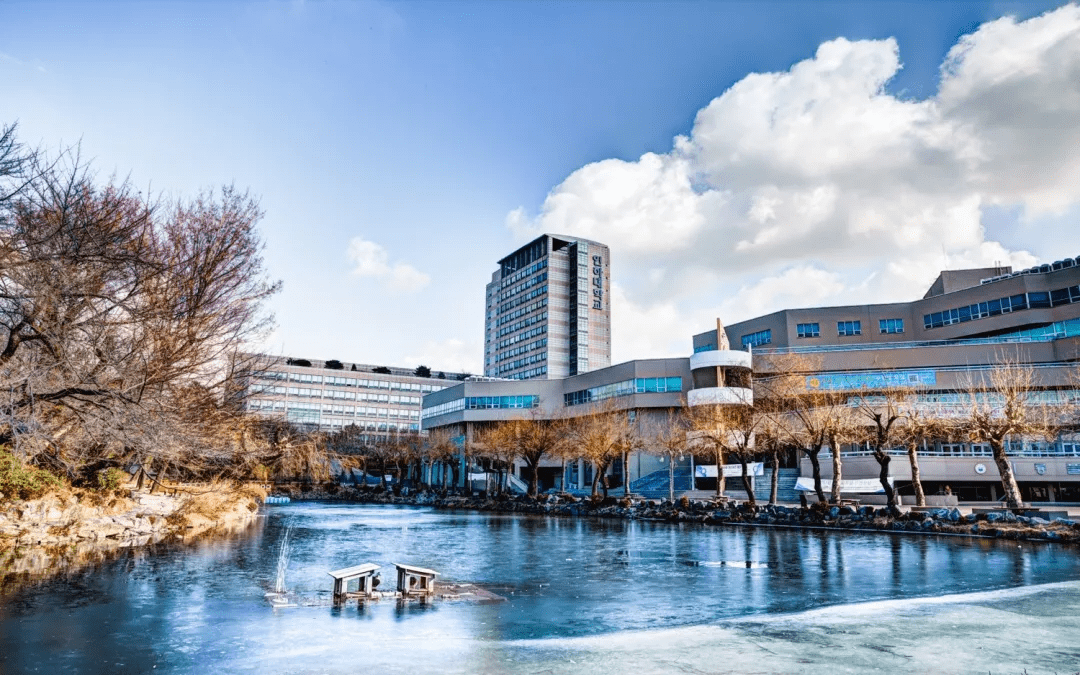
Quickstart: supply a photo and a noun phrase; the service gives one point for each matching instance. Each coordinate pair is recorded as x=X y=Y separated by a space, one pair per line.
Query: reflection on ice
x=581 y=596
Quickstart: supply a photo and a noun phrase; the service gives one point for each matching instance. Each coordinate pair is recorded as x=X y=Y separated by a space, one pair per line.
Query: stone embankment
x=1003 y=525
x=69 y=517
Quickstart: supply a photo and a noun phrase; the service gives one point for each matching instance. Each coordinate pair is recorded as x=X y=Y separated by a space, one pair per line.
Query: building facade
x=332 y=395
x=967 y=324
x=647 y=390
x=548 y=310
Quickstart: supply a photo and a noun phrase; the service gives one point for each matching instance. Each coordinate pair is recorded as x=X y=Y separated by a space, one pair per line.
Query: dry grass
x=217 y=502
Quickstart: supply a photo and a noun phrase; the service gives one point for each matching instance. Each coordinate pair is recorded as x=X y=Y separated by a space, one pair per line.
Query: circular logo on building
x=980 y=469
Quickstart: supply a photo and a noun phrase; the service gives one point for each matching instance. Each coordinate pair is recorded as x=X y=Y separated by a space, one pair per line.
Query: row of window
x=849 y=328
x=514 y=365
x=532 y=372
x=641 y=385
x=524 y=323
x=542 y=302
x=521 y=274
x=482 y=403
x=534 y=293
x=523 y=349
x=265 y=405
x=761 y=337
x=523 y=286
x=338 y=394
x=539 y=330
x=1014 y=303
x=307 y=378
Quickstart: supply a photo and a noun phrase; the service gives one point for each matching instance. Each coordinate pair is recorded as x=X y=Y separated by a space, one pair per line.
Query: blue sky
x=400 y=149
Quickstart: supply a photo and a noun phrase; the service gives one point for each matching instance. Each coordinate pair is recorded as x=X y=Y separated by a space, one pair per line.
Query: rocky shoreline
x=947 y=521
x=68 y=529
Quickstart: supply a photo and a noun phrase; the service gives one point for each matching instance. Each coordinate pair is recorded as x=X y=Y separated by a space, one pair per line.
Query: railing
x=920 y=344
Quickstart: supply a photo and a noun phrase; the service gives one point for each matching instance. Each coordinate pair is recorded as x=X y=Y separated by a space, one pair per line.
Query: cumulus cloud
x=371 y=260
x=818 y=186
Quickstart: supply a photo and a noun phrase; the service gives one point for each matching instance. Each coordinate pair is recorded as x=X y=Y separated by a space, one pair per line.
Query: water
x=581 y=596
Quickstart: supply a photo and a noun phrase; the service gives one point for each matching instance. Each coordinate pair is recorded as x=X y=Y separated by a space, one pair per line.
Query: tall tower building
x=549 y=310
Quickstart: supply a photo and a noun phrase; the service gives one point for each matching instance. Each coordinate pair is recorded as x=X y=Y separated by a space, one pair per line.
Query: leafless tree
x=115 y=311
x=672 y=440
x=1000 y=405
x=600 y=436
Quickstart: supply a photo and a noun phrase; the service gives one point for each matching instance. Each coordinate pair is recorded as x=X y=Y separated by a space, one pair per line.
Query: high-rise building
x=548 y=310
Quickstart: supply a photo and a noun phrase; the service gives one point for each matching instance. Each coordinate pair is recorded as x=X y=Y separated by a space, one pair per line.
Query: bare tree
x=885 y=412
x=114 y=311
x=1000 y=406
x=917 y=427
x=672 y=440
x=600 y=436
x=743 y=424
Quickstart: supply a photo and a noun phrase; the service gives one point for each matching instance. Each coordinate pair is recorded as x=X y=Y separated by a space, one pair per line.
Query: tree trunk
x=746 y=483
x=468 y=477
x=837 y=471
x=815 y=463
x=1013 y=499
x=534 y=480
x=671 y=479
x=562 y=478
x=720 y=473
x=626 y=473
x=596 y=485
x=883 y=460
x=774 y=481
x=916 y=481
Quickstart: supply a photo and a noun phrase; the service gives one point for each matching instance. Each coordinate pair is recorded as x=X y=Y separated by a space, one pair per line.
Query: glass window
x=1041 y=299
x=762 y=337
x=849 y=328
x=808 y=330
x=890 y=326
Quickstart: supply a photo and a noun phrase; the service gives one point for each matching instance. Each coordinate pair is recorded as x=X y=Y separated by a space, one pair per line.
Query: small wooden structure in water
x=364 y=575
x=415 y=581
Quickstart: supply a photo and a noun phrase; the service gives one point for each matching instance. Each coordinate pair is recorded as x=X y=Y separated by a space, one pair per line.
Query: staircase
x=655 y=485
x=785 y=486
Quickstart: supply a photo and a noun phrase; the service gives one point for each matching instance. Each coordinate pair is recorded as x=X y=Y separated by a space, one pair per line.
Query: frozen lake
x=581 y=596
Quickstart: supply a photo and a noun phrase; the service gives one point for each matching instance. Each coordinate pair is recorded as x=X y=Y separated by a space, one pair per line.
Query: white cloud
x=371 y=260
x=818 y=186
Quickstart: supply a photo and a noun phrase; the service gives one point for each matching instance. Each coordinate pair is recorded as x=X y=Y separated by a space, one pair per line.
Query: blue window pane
x=1040 y=299
x=995 y=307
x=674 y=384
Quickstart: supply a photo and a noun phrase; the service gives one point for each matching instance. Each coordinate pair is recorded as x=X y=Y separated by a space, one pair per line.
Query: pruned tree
x=422 y=371
x=919 y=424
x=743 y=423
x=601 y=435
x=883 y=412
x=806 y=417
x=1000 y=406
x=671 y=439
x=710 y=429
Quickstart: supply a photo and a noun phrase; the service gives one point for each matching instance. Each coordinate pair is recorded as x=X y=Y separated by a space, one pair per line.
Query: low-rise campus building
x=331 y=395
x=968 y=324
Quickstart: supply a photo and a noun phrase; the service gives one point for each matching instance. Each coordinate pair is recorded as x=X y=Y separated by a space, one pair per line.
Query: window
x=890 y=326
x=849 y=328
x=762 y=337
x=808 y=330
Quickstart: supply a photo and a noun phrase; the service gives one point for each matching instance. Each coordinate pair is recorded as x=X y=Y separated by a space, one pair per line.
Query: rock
x=834 y=512
x=1038 y=521
x=847 y=511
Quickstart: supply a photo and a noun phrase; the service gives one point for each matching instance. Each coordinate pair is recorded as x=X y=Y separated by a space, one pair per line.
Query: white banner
x=730 y=470
x=866 y=486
